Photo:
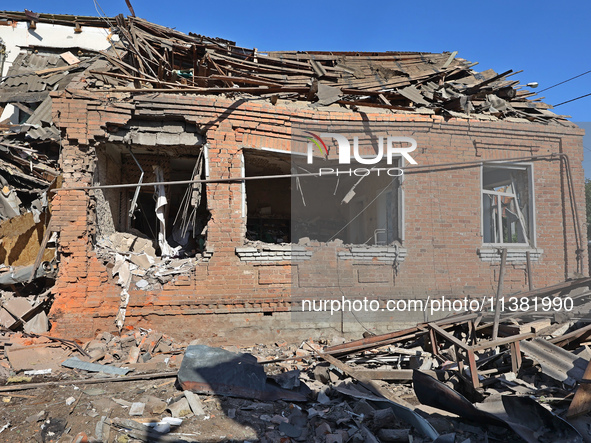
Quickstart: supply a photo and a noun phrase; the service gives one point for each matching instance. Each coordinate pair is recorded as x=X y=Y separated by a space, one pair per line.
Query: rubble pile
x=446 y=381
x=132 y=256
x=138 y=350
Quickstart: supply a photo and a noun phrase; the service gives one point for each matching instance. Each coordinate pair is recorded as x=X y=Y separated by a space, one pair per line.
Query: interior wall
x=108 y=208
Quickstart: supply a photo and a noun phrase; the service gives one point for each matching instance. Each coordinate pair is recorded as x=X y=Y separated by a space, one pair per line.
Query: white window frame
x=529 y=167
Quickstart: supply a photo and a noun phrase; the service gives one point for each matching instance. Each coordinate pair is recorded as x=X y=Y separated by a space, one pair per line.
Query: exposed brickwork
x=442 y=213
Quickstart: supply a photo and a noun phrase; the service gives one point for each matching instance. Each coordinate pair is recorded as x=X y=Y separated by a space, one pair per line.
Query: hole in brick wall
x=268 y=314
x=171 y=218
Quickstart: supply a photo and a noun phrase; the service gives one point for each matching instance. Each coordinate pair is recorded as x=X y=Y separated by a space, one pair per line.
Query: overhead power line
x=558 y=84
x=572 y=100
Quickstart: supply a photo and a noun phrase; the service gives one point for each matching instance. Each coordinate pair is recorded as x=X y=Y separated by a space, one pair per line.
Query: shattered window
x=171 y=218
x=355 y=209
x=507 y=213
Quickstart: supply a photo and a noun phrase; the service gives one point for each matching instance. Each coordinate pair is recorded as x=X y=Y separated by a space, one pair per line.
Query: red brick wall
x=442 y=212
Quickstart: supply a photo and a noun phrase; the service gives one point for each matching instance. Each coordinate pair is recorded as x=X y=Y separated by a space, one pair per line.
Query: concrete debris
x=133 y=259
x=40 y=416
x=180 y=408
x=194 y=403
x=341 y=392
x=137 y=408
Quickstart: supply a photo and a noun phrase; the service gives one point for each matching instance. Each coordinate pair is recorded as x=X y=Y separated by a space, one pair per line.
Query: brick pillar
x=82 y=281
x=226 y=228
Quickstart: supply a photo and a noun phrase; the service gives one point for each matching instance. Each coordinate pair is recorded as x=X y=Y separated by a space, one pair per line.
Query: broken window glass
x=506 y=204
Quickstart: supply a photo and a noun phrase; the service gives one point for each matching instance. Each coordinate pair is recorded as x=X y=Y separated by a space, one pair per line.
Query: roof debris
x=151 y=57
x=354 y=391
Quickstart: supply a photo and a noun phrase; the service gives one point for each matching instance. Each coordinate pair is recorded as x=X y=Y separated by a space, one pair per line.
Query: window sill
x=272 y=252
x=384 y=254
x=515 y=254
x=287 y=252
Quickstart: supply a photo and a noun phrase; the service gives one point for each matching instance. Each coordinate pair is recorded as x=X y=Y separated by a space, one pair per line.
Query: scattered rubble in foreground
x=442 y=381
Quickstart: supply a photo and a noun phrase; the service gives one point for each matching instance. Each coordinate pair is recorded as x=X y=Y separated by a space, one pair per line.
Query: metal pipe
x=579 y=251
x=530 y=282
x=406 y=169
x=499 y=295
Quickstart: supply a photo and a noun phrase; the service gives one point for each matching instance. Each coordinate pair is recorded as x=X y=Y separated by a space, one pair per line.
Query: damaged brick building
x=206 y=244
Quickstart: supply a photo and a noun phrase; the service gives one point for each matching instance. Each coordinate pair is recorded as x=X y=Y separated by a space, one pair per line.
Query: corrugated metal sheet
x=42 y=113
x=42 y=118
x=556 y=362
x=32 y=82
x=41 y=61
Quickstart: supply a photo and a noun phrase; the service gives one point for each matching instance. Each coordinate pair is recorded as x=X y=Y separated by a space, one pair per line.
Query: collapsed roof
x=30 y=79
x=154 y=57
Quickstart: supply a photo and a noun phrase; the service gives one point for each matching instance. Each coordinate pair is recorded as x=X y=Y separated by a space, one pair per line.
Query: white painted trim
x=279 y=151
x=243 y=185
x=206 y=156
x=401 y=209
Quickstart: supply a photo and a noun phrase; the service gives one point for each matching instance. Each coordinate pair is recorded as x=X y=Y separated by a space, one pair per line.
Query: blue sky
x=550 y=41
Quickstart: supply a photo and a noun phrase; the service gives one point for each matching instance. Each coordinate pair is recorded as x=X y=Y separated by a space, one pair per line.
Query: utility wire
x=558 y=84
x=572 y=100
x=103 y=15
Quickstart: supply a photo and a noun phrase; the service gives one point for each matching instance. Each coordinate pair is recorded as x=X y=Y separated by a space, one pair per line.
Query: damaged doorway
x=173 y=218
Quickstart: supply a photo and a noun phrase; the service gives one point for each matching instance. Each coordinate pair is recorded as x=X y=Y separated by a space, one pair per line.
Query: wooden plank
x=392 y=337
x=488 y=344
x=581 y=403
x=443 y=333
x=485 y=344
x=60 y=69
x=534 y=326
x=571 y=336
x=264 y=90
x=366 y=382
x=23 y=108
x=25 y=386
x=242 y=80
x=495 y=333
x=450 y=59
x=384 y=374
